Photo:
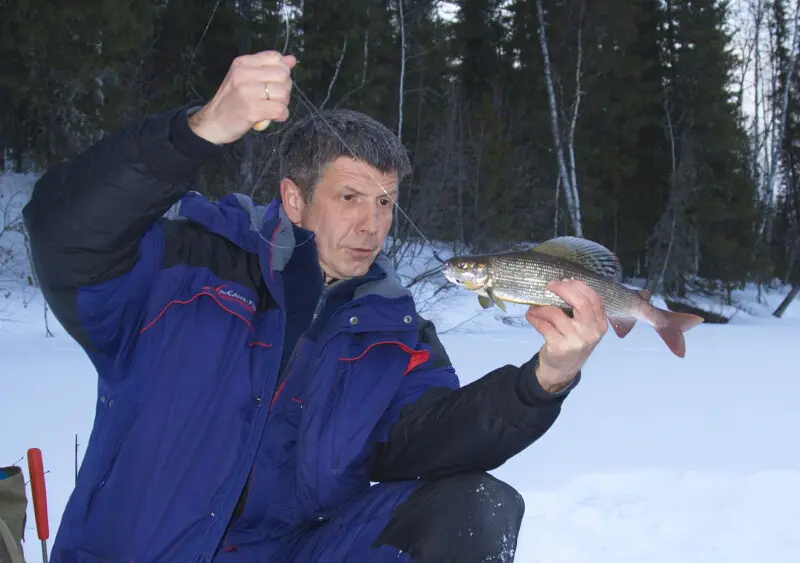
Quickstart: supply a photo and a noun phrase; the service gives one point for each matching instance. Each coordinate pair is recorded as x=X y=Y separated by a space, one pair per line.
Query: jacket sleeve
x=434 y=428
x=93 y=224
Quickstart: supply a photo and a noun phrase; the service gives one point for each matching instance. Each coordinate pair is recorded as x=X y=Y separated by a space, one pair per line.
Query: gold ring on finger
x=266 y=89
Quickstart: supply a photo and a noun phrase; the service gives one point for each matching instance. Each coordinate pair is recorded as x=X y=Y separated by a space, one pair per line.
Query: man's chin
x=358 y=264
x=358 y=270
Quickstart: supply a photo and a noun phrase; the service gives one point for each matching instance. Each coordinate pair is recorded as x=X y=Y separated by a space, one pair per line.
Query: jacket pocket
x=368 y=380
x=350 y=390
x=195 y=301
x=117 y=422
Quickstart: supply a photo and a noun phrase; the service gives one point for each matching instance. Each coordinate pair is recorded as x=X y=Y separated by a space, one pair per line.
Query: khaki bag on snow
x=13 y=506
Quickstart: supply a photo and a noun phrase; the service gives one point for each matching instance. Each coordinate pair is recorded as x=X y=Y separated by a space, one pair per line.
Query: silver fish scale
x=523 y=277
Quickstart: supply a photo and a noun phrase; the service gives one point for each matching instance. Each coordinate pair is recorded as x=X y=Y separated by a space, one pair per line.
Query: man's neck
x=327 y=279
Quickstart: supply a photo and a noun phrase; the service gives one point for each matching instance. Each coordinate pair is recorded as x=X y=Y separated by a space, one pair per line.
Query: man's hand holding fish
x=568 y=341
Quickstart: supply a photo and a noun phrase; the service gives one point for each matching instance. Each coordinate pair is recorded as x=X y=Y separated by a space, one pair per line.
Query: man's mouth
x=361 y=250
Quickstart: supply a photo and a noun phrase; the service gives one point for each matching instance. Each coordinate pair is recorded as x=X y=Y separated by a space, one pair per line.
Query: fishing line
x=377 y=183
x=255 y=181
x=197 y=48
x=314 y=110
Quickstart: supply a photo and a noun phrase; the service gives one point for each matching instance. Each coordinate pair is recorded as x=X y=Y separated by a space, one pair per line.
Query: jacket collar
x=266 y=230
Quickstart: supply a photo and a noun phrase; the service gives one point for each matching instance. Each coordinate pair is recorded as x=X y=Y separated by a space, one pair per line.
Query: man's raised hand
x=257 y=88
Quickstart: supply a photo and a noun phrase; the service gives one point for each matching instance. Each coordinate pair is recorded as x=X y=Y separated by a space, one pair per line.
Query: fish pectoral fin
x=644 y=294
x=622 y=326
x=496 y=300
x=485 y=302
x=587 y=253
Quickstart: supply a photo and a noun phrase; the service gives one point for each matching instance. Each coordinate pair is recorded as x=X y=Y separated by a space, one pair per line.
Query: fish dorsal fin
x=587 y=253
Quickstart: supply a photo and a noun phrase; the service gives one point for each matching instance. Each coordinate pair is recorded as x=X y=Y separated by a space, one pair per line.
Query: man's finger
x=274 y=111
x=290 y=61
x=555 y=317
x=279 y=90
x=594 y=305
x=580 y=300
x=262 y=58
x=568 y=291
x=261 y=74
x=543 y=326
x=260 y=109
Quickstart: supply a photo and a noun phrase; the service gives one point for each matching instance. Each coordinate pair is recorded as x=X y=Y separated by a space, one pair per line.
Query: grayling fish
x=522 y=277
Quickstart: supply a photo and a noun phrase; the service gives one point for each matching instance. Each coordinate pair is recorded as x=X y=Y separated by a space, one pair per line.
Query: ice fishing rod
x=39 y=494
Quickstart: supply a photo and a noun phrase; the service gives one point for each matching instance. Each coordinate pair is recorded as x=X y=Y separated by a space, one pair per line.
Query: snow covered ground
x=654 y=458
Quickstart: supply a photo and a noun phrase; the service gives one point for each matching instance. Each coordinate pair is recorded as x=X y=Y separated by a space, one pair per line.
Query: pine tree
x=718 y=198
x=621 y=141
x=65 y=82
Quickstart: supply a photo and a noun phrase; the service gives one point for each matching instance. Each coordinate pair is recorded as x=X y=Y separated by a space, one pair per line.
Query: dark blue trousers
x=464 y=518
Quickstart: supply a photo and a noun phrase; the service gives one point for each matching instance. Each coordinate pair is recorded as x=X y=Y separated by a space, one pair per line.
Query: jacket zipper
x=317 y=310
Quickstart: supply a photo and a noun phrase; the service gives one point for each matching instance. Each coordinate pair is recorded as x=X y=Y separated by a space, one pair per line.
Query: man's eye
x=386 y=201
x=349 y=197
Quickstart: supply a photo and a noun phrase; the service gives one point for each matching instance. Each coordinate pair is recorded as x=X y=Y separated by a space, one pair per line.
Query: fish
x=521 y=277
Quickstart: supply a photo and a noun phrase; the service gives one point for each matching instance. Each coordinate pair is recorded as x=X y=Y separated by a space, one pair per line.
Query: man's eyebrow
x=391 y=192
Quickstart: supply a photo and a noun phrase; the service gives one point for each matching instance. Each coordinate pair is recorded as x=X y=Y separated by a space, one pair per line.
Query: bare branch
x=335 y=73
x=575 y=112
x=570 y=191
x=401 y=95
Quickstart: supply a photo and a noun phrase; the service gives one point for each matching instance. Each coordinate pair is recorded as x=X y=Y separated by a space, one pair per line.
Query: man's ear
x=292 y=200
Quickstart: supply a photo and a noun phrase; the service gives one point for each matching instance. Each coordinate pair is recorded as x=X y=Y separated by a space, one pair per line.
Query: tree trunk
x=570 y=190
x=788 y=301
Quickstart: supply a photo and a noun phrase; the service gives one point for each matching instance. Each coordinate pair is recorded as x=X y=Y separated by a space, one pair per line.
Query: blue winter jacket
x=239 y=398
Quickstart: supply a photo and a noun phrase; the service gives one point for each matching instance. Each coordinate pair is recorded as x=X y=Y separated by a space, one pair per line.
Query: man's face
x=350 y=214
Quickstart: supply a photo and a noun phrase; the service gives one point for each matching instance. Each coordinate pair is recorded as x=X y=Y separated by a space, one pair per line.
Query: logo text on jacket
x=228 y=294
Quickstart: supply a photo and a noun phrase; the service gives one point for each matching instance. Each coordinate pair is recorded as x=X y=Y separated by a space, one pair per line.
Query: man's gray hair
x=309 y=145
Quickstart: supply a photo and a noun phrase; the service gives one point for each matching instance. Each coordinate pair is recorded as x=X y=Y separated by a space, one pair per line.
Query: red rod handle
x=36 y=470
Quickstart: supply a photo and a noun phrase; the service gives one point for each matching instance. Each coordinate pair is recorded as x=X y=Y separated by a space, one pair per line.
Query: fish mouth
x=456 y=278
x=453 y=276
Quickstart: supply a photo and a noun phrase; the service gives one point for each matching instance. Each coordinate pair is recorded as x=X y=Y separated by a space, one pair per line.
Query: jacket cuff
x=531 y=392
x=185 y=141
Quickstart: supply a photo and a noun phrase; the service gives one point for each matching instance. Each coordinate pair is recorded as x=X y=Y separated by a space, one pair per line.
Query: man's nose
x=370 y=220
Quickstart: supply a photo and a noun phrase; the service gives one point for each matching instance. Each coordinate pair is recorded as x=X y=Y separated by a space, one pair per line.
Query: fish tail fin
x=670 y=326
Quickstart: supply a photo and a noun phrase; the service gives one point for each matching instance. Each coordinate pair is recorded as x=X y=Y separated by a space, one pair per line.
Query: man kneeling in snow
x=259 y=367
